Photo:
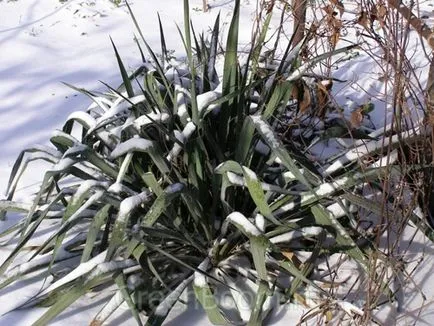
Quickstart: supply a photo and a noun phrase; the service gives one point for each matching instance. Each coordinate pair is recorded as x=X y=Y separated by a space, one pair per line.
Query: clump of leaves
x=179 y=178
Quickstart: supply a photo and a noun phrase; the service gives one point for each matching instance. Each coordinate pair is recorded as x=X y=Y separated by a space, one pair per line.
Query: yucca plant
x=183 y=178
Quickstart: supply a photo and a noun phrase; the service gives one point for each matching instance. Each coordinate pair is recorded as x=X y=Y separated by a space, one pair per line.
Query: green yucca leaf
x=257 y=45
x=122 y=285
x=341 y=160
x=96 y=99
x=323 y=217
x=124 y=167
x=195 y=209
x=210 y=67
x=162 y=41
x=258 y=243
x=189 y=50
x=258 y=196
x=124 y=74
x=94 y=269
x=76 y=206
x=288 y=59
x=85 y=119
x=301 y=70
x=280 y=94
x=127 y=206
x=161 y=203
x=98 y=221
x=277 y=147
x=160 y=313
x=233 y=169
x=101 y=163
x=200 y=50
x=289 y=266
x=206 y=298
x=66 y=299
x=160 y=70
x=149 y=188
x=258 y=248
x=157 y=100
x=257 y=317
x=244 y=145
x=146 y=244
x=25 y=237
x=142 y=55
x=328 y=189
x=145 y=146
x=229 y=109
x=150 y=180
x=309 y=265
x=108 y=309
x=63 y=141
x=151 y=89
x=20 y=165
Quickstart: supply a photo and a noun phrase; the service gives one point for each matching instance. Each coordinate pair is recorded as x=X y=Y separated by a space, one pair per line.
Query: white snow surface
x=47 y=42
x=243 y=224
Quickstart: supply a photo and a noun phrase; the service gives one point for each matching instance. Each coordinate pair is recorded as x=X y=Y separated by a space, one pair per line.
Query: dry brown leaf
x=306 y=101
x=293 y=258
x=328 y=10
x=381 y=11
x=363 y=19
x=295 y=91
x=357 y=118
x=323 y=94
x=326 y=84
x=334 y=38
x=339 y=5
x=381 y=14
x=337 y=24
x=298 y=297
x=430 y=119
x=328 y=316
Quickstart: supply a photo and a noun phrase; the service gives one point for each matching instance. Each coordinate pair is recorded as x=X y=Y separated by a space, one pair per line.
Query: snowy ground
x=46 y=42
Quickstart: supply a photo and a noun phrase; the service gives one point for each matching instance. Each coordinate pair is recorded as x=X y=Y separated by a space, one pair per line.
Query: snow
x=48 y=42
x=260 y=222
x=112 y=305
x=42 y=260
x=321 y=191
x=370 y=147
x=148 y=119
x=174 y=188
x=186 y=133
x=120 y=106
x=132 y=145
x=203 y=100
x=200 y=278
x=84 y=118
x=85 y=187
x=81 y=270
x=167 y=303
x=78 y=213
x=181 y=103
x=243 y=223
x=130 y=203
x=266 y=130
x=293 y=235
x=112 y=266
x=349 y=308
